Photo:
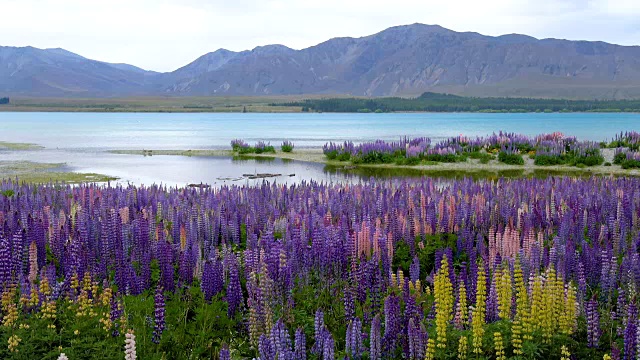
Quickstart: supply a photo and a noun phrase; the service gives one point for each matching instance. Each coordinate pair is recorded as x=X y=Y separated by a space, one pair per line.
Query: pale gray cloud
x=166 y=34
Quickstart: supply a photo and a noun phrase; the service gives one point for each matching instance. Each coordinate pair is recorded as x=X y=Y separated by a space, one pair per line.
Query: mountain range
x=399 y=61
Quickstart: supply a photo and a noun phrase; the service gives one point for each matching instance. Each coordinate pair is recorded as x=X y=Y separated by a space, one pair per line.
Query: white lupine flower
x=130 y=346
x=63 y=357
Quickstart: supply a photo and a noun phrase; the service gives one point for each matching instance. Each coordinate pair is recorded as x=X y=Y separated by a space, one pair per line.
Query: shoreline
x=315 y=155
x=238 y=109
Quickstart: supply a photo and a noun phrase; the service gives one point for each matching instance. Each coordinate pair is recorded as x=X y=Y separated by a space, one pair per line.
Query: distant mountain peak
x=402 y=60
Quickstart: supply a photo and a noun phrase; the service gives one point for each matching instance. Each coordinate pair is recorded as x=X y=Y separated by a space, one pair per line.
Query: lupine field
x=404 y=269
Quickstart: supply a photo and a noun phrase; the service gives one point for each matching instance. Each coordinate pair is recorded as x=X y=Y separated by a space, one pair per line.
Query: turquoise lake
x=81 y=140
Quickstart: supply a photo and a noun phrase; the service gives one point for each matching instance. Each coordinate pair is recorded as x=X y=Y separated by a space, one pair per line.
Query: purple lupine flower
x=234 y=289
x=375 y=343
x=224 y=353
x=318 y=328
x=593 y=323
x=354 y=345
x=630 y=333
x=5 y=262
x=281 y=341
x=416 y=339
x=211 y=281
x=115 y=315
x=159 y=315
x=414 y=269
x=266 y=348
x=328 y=348
x=300 y=345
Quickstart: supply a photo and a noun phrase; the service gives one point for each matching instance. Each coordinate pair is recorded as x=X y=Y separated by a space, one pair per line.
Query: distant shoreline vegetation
x=4 y=100
x=435 y=102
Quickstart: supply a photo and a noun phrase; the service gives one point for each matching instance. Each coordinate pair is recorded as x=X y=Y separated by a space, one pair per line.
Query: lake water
x=81 y=140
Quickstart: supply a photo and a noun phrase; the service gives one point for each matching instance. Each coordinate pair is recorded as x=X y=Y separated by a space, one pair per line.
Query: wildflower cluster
x=411 y=269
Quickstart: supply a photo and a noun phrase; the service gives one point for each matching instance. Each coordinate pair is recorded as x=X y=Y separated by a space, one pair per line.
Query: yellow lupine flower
x=430 y=354
x=479 y=311
x=462 y=312
x=566 y=355
x=462 y=348
x=499 y=346
x=523 y=315
x=537 y=305
x=569 y=318
x=443 y=291
x=504 y=294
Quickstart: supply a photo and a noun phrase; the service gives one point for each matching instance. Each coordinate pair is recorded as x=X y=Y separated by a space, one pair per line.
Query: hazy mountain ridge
x=402 y=60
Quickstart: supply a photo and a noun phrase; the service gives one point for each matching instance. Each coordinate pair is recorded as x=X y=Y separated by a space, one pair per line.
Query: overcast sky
x=163 y=35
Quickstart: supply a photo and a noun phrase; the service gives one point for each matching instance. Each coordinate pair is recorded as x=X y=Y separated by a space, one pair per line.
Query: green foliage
x=266 y=149
x=511 y=159
x=630 y=164
x=548 y=160
x=407 y=161
x=4 y=101
x=592 y=159
x=619 y=158
x=246 y=150
x=286 y=148
x=374 y=157
x=448 y=158
x=484 y=157
x=434 y=102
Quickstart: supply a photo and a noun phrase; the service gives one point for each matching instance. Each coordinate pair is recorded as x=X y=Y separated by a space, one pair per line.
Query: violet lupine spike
x=593 y=323
x=375 y=342
x=224 y=353
x=266 y=348
x=300 y=345
x=328 y=348
x=414 y=269
x=354 y=344
x=234 y=289
x=630 y=333
x=159 y=315
x=318 y=329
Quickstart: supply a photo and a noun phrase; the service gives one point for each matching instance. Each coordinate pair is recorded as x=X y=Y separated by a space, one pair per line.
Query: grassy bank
x=4 y=145
x=32 y=172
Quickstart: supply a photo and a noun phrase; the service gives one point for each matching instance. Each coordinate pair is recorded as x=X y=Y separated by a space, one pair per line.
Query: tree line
x=4 y=100
x=434 y=102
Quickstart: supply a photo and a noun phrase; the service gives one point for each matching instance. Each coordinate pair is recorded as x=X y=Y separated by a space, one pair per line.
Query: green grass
x=5 y=145
x=32 y=172
x=158 y=104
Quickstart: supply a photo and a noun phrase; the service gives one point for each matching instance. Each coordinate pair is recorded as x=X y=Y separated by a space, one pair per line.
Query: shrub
x=237 y=144
x=619 y=157
x=448 y=158
x=262 y=147
x=246 y=150
x=482 y=156
x=511 y=159
x=631 y=164
x=548 y=160
x=343 y=156
x=607 y=164
x=287 y=146
x=408 y=161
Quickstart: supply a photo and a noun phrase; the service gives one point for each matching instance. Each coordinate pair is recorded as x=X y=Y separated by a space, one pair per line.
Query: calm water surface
x=81 y=139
